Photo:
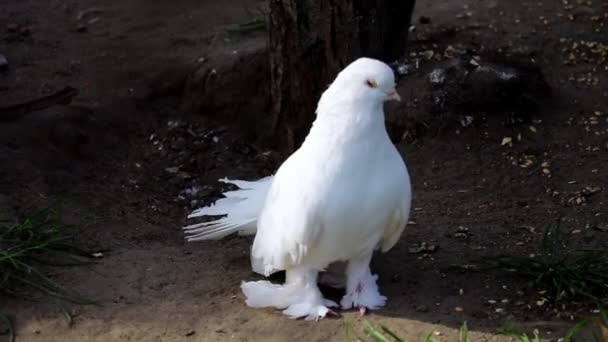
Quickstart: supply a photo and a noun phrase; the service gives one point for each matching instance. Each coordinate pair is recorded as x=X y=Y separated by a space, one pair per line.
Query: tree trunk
x=312 y=40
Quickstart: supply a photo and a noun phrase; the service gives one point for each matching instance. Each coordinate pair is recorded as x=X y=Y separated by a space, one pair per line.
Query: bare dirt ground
x=113 y=155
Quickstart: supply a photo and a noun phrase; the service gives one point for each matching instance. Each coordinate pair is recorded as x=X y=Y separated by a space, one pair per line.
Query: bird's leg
x=305 y=298
x=361 y=288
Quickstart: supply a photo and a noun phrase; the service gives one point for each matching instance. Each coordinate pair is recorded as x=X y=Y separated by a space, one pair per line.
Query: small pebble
x=422 y=308
x=3 y=62
x=396 y=278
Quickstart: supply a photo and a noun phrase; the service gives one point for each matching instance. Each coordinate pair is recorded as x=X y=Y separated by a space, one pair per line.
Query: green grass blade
x=373 y=332
x=575 y=329
x=391 y=334
x=463 y=333
x=430 y=338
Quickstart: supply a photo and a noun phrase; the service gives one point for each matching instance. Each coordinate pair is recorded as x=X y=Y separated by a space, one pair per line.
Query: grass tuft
x=598 y=325
x=565 y=274
x=258 y=23
x=598 y=322
x=592 y=329
x=518 y=335
x=463 y=335
x=31 y=245
x=384 y=334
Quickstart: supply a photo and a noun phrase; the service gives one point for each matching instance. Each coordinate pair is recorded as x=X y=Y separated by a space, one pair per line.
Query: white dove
x=343 y=194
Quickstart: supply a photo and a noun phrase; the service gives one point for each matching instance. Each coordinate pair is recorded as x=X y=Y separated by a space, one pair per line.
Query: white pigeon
x=343 y=194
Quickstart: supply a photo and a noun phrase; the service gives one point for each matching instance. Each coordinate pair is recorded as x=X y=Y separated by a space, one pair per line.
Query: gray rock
x=464 y=88
x=3 y=62
x=404 y=69
x=583 y=10
x=422 y=308
x=437 y=76
x=12 y=27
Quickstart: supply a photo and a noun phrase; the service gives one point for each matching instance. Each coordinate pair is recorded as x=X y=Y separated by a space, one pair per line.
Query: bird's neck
x=349 y=123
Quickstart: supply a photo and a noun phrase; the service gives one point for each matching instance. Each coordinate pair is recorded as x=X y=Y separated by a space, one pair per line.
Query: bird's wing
x=292 y=224
x=402 y=196
x=395 y=227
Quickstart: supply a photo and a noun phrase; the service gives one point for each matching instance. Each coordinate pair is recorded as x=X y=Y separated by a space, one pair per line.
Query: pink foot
x=362 y=309
x=364 y=296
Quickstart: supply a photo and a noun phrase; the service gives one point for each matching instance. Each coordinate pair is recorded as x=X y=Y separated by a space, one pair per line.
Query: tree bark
x=312 y=40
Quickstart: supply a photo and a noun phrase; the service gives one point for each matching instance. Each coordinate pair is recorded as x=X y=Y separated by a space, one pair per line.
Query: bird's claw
x=329 y=312
x=362 y=311
x=333 y=313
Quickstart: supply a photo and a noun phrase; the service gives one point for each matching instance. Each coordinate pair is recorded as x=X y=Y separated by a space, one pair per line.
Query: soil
x=131 y=156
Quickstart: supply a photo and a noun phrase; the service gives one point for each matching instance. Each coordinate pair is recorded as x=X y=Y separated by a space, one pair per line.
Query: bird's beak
x=393 y=95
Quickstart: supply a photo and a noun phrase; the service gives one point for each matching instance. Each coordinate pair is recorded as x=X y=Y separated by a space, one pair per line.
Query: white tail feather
x=241 y=209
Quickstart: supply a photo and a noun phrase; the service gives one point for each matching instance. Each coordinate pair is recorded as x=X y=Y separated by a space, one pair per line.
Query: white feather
x=241 y=209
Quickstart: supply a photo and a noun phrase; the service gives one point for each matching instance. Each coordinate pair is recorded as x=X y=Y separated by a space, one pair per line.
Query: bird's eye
x=371 y=83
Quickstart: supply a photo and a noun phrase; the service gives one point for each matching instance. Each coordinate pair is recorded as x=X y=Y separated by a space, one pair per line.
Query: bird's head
x=367 y=80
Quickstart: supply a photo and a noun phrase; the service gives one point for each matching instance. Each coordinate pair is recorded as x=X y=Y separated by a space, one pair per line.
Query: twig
x=16 y=111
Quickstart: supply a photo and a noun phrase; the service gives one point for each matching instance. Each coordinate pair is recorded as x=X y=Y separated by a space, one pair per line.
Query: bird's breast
x=363 y=199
